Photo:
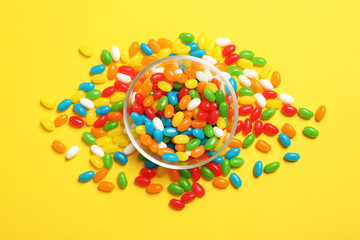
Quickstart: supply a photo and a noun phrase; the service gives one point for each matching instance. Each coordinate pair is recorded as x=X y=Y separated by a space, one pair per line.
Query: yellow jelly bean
x=48 y=102
x=163 y=53
x=244 y=100
x=111 y=148
x=134 y=61
x=218 y=145
x=98 y=78
x=101 y=101
x=218 y=54
x=118 y=96
x=121 y=140
x=177 y=43
x=181 y=139
x=265 y=71
x=182 y=50
x=161 y=171
x=212 y=87
x=210 y=47
x=104 y=141
x=90 y=117
x=86 y=50
x=96 y=161
x=186 y=63
x=48 y=124
x=221 y=123
x=191 y=83
x=178 y=117
x=273 y=103
x=140 y=129
x=166 y=87
x=202 y=40
x=116 y=131
x=154 y=105
x=77 y=96
x=182 y=156
x=124 y=55
x=245 y=63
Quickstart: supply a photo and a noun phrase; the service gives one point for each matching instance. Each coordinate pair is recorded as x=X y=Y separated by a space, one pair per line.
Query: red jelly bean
x=214 y=115
x=229 y=49
x=229 y=99
x=213 y=106
x=157 y=77
x=188 y=197
x=100 y=121
x=126 y=70
x=184 y=91
x=230 y=113
x=158 y=94
x=215 y=168
x=239 y=126
x=245 y=110
x=205 y=105
x=202 y=115
x=176 y=204
x=107 y=92
x=258 y=128
x=216 y=82
x=141 y=79
x=289 y=110
x=160 y=113
x=231 y=59
x=76 y=121
x=149 y=112
x=255 y=114
x=198 y=189
x=269 y=94
x=139 y=99
x=137 y=108
x=247 y=126
x=122 y=87
x=148 y=173
x=142 y=181
x=270 y=129
x=195 y=174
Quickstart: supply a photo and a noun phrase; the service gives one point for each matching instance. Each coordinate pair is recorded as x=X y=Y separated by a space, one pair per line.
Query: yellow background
x=315 y=46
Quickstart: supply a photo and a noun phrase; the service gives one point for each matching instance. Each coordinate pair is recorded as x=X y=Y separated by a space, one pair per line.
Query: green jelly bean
x=186 y=37
x=226 y=121
x=122 y=180
x=225 y=167
x=305 y=113
x=93 y=94
x=89 y=138
x=192 y=144
x=166 y=139
x=116 y=107
x=235 y=71
x=224 y=109
x=177 y=108
x=106 y=56
x=236 y=162
x=209 y=131
x=249 y=140
x=271 y=167
x=141 y=157
x=311 y=132
x=110 y=125
x=259 y=61
x=176 y=189
x=108 y=160
x=186 y=173
x=178 y=86
x=185 y=184
x=194 y=94
x=207 y=173
x=210 y=96
x=220 y=96
x=163 y=102
x=211 y=143
x=246 y=91
x=268 y=113
x=247 y=54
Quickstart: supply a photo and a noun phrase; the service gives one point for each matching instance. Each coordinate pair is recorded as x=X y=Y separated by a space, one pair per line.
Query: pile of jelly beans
x=184 y=122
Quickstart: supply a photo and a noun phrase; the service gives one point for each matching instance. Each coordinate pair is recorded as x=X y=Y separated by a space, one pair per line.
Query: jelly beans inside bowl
x=181 y=111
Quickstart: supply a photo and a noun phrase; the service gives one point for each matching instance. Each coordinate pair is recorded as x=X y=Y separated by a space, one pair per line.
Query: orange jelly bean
x=106 y=186
x=190 y=72
x=235 y=143
x=263 y=146
x=220 y=182
x=112 y=71
x=147 y=60
x=198 y=124
x=154 y=188
x=169 y=111
x=200 y=87
x=148 y=101
x=180 y=147
x=146 y=88
x=115 y=116
x=98 y=132
x=138 y=68
x=174 y=175
x=255 y=85
x=181 y=78
x=145 y=139
x=320 y=113
x=197 y=66
x=154 y=45
x=164 y=43
x=169 y=75
x=221 y=66
x=60 y=120
x=185 y=124
x=165 y=150
x=58 y=146
x=197 y=152
x=101 y=174
x=289 y=130
x=187 y=114
x=275 y=78
x=184 y=101
x=134 y=49
x=154 y=146
x=137 y=86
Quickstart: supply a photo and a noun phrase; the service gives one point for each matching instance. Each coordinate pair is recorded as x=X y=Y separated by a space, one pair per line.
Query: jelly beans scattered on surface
x=180 y=111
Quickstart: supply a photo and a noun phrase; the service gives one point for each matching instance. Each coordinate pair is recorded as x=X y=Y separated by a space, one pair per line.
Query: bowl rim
x=127 y=99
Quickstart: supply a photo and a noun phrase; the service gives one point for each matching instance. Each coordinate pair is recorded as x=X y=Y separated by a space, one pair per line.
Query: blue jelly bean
x=211 y=153
x=218 y=160
x=171 y=145
x=292 y=157
x=192 y=45
x=170 y=132
x=187 y=132
x=86 y=176
x=235 y=180
x=258 y=168
x=87 y=86
x=145 y=118
x=172 y=54
x=103 y=110
x=63 y=105
x=150 y=164
x=198 y=53
x=180 y=64
x=137 y=119
x=198 y=133
x=284 y=139
x=172 y=97
x=146 y=49
x=203 y=141
x=80 y=109
x=166 y=121
x=170 y=157
x=158 y=136
x=232 y=153
x=97 y=69
x=120 y=157
x=149 y=127
x=183 y=68
x=233 y=84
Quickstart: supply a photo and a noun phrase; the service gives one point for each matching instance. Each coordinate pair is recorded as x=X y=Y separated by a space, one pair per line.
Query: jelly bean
x=129 y=149
x=98 y=78
x=98 y=151
x=106 y=186
x=246 y=100
x=197 y=53
x=86 y=176
x=120 y=157
x=100 y=174
x=235 y=180
x=48 y=124
x=269 y=94
x=260 y=100
x=247 y=54
x=58 y=146
x=259 y=61
x=222 y=42
x=154 y=188
x=136 y=118
x=194 y=103
x=48 y=102
x=198 y=189
x=122 y=180
x=292 y=157
x=320 y=113
x=275 y=78
x=76 y=122
x=289 y=130
x=106 y=56
x=176 y=189
x=286 y=98
x=115 y=53
x=93 y=94
x=258 y=128
x=146 y=49
x=111 y=125
x=246 y=91
x=181 y=139
x=284 y=139
x=305 y=113
x=109 y=91
x=176 y=204
x=193 y=46
x=229 y=49
x=255 y=114
x=266 y=84
x=97 y=69
x=220 y=182
x=186 y=37
x=289 y=110
x=268 y=113
x=80 y=109
x=101 y=102
x=239 y=126
x=77 y=96
x=186 y=173
x=232 y=153
x=86 y=50
x=89 y=138
x=247 y=126
x=207 y=173
x=185 y=184
x=231 y=59
x=192 y=144
x=148 y=173
x=245 y=110
x=213 y=117
x=263 y=146
x=311 y=132
x=198 y=133
x=170 y=157
x=181 y=50
x=96 y=161
x=225 y=167
x=103 y=110
x=142 y=181
x=249 y=140
x=87 y=103
x=258 y=168
x=211 y=143
x=271 y=167
x=270 y=129
x=236 y=162
x=100 y=121
x=209 y=95
x=63 y=105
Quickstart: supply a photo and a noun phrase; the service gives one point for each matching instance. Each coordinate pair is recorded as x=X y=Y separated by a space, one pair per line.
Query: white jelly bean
x=286 y=98
x=97 y=150
x=194 y=103
x=250 y=73
x=223 y=42
x=162 y=145
x=244 y=81
x=260 y=100
x=266 y=84
x=209 y=74
x=226 y=75
x=123 y=78
x=157 y=70
x=72 y=152
x=188 y=152
x=201 y=76
x=129 y=149
x=218 y=132
x=178 y=71
x=87 y=103
x=158 y=124
x=115 y=53
x=209 y=59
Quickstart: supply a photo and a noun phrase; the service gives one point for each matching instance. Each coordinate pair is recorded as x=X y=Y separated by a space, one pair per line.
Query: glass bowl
x=178 y=65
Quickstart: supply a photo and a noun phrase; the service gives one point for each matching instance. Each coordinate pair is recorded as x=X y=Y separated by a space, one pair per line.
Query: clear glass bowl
x=158 y=66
